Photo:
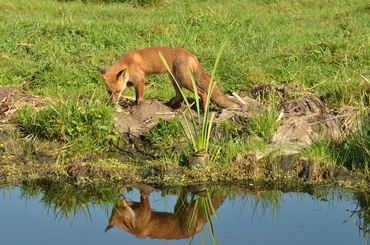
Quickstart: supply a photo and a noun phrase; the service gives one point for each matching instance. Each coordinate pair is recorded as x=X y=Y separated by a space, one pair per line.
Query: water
x=59 y=215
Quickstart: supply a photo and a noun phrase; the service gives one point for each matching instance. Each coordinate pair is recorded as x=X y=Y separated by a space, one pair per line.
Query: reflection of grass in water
x=267 y=200
x=360 y=215
x=258 y=200
x=65 y=200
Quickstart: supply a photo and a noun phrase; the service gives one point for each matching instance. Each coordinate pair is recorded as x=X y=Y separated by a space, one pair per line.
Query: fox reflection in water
x=189 y=216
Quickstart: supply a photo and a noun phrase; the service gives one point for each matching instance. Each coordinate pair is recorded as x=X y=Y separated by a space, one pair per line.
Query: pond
x=55 y=214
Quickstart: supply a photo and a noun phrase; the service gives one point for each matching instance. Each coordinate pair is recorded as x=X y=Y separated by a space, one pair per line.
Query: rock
x=248 y=163
x=139 y=119
x=199 y=160
x=305 y=119
x=311 y=171
x=308 y=118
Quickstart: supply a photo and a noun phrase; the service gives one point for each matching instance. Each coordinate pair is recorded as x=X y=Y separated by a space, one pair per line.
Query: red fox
x=139 y=219
x=132 y=68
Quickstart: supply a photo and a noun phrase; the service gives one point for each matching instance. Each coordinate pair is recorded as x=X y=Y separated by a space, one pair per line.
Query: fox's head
x=115 y=81
x=123 y=216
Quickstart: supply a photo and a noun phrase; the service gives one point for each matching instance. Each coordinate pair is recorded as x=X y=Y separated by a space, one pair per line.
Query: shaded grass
x=225 y=151
x=167 y=139
x=166 y=133
x=355 y=151
x=322 y=152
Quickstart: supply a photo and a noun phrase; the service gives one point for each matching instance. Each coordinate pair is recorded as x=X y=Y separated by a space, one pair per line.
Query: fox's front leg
x=139 y=90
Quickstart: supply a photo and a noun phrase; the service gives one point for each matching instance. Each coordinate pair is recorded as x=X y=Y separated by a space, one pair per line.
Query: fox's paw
x=174 y=103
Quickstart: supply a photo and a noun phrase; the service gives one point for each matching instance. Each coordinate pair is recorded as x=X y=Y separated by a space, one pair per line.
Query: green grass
x=166 y=133
x=51 y=48
x=226 y=150
x=138 y=3
x=84 y=125
x=322 y=152
x=264 y=125
x=166 y=137
x=352 y=152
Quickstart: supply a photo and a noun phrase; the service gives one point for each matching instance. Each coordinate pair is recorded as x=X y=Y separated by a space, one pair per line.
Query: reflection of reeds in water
x=361 y=214
x=203 y=209
x=263 y=201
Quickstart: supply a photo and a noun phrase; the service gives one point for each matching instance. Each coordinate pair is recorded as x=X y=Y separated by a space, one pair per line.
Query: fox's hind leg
x=175 y=102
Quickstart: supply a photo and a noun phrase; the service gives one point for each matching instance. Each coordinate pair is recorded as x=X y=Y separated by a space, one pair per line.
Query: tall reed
x=197 y=129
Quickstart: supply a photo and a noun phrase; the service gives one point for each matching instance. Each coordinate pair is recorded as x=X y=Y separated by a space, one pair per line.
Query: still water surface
x=236 y=217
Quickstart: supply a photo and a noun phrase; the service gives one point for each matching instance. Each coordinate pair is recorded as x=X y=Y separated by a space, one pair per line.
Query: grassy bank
x=51 y=48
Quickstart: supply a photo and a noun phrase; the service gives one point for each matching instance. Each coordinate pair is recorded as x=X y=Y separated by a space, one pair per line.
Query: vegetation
x=84 y=125
x=352 y=152
x=51 y=48
x=197 y=128
x=54 y=46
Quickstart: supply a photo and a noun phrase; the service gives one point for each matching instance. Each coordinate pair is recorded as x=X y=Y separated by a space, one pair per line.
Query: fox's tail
x=217 y=97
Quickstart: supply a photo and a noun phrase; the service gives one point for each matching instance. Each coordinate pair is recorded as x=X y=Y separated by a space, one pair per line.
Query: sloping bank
x=149 y=146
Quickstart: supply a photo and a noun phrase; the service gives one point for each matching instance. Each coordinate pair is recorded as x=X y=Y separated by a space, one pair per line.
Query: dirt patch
x=12 y=99
x=12 y=150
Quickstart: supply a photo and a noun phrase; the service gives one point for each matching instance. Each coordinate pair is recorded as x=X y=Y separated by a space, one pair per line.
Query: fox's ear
x=101 y=70
x=121 y=73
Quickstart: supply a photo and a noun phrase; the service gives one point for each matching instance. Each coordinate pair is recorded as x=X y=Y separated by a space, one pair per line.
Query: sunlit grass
x=54 y=46
x=84 y=125
x=352 y=152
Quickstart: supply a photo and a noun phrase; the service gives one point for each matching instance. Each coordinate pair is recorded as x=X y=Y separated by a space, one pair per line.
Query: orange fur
x=140 y=220
x=132 y=68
